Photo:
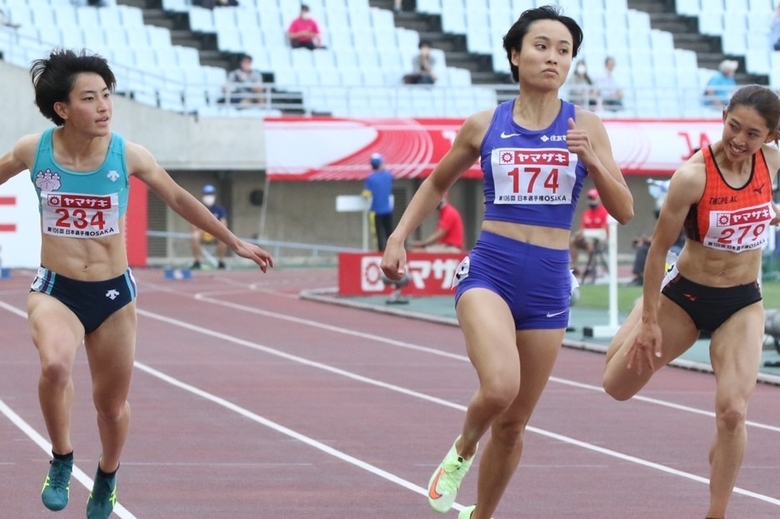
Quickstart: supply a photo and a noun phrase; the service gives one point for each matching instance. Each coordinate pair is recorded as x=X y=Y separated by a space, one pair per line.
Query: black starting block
x=396 y=298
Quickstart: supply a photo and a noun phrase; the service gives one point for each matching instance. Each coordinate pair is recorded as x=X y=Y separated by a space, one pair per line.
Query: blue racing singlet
x=81 y=204
x=529 y=176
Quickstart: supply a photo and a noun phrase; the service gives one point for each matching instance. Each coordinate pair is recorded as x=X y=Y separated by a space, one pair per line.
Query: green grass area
x=597 y=296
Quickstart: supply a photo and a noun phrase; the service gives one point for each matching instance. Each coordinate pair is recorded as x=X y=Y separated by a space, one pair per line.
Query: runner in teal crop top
x=81 y=204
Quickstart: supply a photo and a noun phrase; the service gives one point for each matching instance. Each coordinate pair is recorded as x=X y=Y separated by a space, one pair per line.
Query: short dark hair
x=304 y=7
x=424 y=43
x=53 y=78
x=514 y=37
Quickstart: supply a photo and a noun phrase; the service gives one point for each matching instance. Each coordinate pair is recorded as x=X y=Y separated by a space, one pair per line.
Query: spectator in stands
x=304 y=31
x=448 y=236
x=593 y=218
x=379 y=187
x=774 y=36
x=398 y=5
x=6 y=22
x=581 y=90
x=200 y=237
x=245 y=84
x=422 y=66
x=609 y=90
x=720 y=86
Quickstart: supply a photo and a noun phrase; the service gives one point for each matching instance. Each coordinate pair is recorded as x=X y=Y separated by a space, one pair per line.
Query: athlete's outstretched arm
x=685 y=189
x=143 y=165
x=460 y=157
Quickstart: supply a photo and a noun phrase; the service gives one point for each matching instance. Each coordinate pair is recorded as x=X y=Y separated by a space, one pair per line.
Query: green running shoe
x=443 y=485
x=102 y=499
x=56 y=489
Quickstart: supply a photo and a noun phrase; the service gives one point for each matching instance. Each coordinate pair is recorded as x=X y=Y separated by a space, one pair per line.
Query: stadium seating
x=367 y=55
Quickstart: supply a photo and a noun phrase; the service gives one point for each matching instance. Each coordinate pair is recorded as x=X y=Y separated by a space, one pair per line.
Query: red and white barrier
x=430 y=274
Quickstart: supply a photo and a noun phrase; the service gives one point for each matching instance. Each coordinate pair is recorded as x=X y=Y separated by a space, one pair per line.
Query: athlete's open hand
x=646 y=347
x=394 y=260
x=254 y=253
x=578 y=142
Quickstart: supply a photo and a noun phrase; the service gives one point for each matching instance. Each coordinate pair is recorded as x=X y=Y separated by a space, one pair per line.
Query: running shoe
x=467 y=512
x=102 y=498
x=56 y=489
x=443 y=486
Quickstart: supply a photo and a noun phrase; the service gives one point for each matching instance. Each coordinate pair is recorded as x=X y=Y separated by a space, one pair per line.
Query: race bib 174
x=533 y=176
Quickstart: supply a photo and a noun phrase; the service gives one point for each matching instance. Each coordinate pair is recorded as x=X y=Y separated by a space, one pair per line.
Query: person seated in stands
x=304 y=31
x=609 y=90
x=719 y=88
x=245 y=84
x=581 y=90
x=422 y=66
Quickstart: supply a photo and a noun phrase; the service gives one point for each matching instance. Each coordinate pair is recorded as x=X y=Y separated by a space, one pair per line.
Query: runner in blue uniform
x=84 y=290
x=513 y=290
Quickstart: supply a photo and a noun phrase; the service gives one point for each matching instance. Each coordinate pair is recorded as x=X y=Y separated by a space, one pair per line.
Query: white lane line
x=446 y=403
x=286 y=431
x=41 y=442
x=398 y=389
x=433 y=351
x=663 y=403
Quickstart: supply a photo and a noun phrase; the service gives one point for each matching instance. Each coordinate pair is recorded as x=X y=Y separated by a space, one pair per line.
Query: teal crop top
x=81 y=204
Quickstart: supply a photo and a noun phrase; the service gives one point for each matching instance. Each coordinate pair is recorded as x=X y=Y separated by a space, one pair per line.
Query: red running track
x=249 y=402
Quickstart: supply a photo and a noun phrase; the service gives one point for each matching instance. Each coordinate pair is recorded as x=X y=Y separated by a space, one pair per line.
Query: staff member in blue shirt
x=379 y=187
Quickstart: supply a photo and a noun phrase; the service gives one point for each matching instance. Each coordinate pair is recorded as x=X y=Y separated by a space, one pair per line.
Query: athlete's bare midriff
x=549 y=237
x=716 y=268
x=86 y=259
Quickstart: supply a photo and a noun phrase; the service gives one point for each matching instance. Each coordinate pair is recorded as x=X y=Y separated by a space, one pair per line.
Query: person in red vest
x=448 y=236
x=594 y=217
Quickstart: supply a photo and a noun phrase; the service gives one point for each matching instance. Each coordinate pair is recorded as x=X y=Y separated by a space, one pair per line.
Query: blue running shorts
x=92 y=301
x=534 y=281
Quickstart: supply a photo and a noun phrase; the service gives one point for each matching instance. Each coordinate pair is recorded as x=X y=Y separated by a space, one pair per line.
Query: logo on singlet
x=113 y=175
x=112 y=294
x=48 y=180
x=505 y=135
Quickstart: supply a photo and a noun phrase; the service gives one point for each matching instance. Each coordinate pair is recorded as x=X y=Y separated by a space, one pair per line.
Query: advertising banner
x=430 y=274
x=20 y=224
x=312 y=148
